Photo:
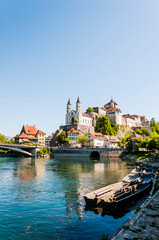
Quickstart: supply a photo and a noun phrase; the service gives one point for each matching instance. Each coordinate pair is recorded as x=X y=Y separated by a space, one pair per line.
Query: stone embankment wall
x=113 y=154
x=143 y=225
x=86 y=152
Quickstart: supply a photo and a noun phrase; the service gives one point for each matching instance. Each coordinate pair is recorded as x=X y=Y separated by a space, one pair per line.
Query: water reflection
x=84 y=175
x=48 y=196
x=30 y=169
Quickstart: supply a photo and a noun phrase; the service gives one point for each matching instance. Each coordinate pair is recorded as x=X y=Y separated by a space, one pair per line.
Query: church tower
x=69 y=106
x=78 y=106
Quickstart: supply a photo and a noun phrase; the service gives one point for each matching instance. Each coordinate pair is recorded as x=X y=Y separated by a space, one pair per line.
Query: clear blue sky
x=51 y=50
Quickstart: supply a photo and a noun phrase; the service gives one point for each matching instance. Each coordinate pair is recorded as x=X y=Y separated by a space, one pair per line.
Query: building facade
x=30 y=134
x=73 y=135
x=76 y=116
x=86 y=122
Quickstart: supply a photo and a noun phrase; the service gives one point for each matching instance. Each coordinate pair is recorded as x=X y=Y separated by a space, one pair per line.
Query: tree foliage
x=2 y=138
x=89 y=109
x=82 y=139
x=61 y=138
x=115 y=129
x=44 y=151
x=123 y=140
x=144 y=132
x=155 y=127
x=76 y=120
x=103 y=126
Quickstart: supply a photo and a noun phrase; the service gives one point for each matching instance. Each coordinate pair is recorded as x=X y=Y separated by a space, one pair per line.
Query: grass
x=126 y=227
x=137 y=209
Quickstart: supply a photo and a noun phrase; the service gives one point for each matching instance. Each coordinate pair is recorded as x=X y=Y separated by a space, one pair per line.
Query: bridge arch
x=16 y=149
x=94 y=154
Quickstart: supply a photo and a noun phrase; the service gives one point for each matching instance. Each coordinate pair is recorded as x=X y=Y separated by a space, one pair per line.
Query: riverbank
x=144 y=224
x=145 y=221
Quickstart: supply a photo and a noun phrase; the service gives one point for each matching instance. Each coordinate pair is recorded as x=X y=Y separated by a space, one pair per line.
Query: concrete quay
x=144 y=224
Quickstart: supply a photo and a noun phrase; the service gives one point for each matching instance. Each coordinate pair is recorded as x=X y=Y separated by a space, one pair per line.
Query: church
x=76 y=116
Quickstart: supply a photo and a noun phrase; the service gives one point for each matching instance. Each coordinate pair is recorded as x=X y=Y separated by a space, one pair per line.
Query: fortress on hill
x=86 y=122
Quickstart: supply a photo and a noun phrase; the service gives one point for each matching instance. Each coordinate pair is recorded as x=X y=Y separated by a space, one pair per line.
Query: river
x=43 y=198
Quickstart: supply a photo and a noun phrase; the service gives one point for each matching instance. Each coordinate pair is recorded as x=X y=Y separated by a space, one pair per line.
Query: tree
x=76 y=120
x=123 y=140
x=103 y=126
x=138 y=131
x=89 y=109
x=115 y=129
x=2 y=138
x=155 y=127
x=145 y=132
x=61 y=137
x=82 y=139
x=67 y=140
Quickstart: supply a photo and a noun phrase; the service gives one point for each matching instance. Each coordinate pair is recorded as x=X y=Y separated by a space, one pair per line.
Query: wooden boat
x=130 y=187
x=124 y=195
x=94 y=198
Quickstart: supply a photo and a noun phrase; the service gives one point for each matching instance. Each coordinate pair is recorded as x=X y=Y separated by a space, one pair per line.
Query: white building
x=76 y=116
x=96 y=139
x=73 y=135
x=48 y=141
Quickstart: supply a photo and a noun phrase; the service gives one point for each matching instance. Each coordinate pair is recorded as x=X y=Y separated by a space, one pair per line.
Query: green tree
x=123 y=140
x=61 y=137
x=155 y=127
x=138 y=131
x=103 y=126
x=89 y=109
x=82 y=139
x=76 y=120
x=2 y=138
x=115 y=129
x=153 y=143
x=67 y=140
x=145 y=132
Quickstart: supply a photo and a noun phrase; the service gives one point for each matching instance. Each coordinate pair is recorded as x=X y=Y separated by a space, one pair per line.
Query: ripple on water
x=43 y=199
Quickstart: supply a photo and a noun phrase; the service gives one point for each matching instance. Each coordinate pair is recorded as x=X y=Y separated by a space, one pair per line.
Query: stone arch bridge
x=87 y=152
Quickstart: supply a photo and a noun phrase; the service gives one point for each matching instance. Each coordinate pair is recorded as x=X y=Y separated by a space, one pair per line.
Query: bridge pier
x=34 y=151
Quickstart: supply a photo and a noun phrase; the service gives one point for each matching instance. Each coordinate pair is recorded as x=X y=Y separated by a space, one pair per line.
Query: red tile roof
x=23 y=135
x=85 y=115
x=112 y=138
x=73 y=131
x=112 y=109
x=128 y=116
x=40 y=132
x=30 y=130
x=96 y=135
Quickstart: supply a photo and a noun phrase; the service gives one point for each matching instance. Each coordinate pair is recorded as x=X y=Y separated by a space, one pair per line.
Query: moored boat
x=124 y=195
x=94 y=198
x=132 y=186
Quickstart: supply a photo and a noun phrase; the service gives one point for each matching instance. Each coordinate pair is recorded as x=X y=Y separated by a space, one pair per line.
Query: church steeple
x=69 y=102
x=78 y=105
x=69 y=106
x=78 y=100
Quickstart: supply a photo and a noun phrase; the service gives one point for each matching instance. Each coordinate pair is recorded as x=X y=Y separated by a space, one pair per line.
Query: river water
x=43 y=198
